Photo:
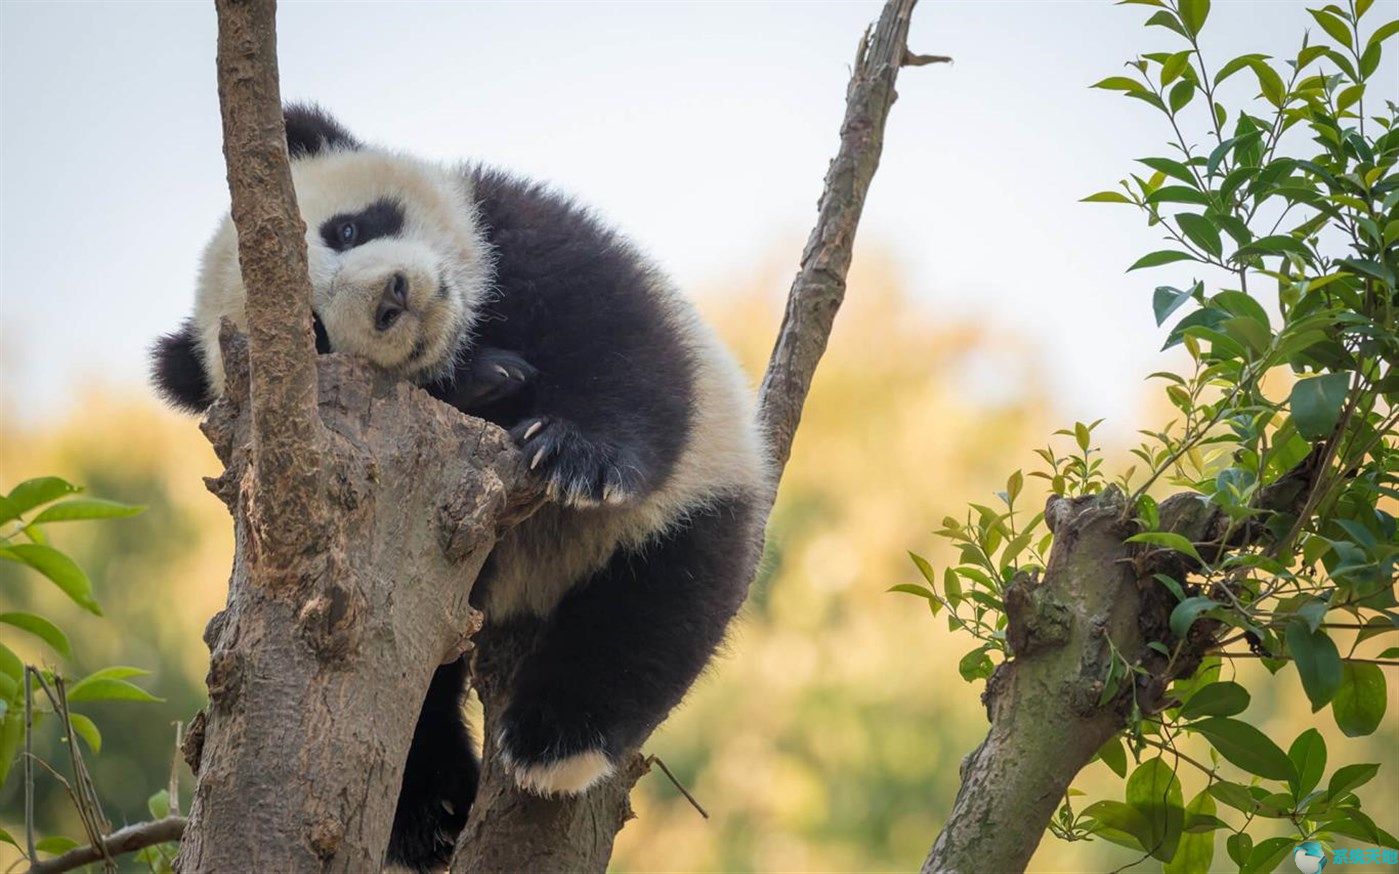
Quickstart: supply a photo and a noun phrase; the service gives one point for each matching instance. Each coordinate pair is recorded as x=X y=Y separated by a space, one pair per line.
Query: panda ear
x=311 y=131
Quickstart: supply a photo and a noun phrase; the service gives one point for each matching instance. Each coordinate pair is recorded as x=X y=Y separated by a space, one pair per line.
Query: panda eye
x=346 y=233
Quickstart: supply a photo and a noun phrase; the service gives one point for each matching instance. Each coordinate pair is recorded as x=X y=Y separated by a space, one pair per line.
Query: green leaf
x=1106 y=197
x=57 y=567
x=1167 y=540
x=1269 y=82
x=1174 y=169
x=55 y=844
x=1267 y=854
x=1120 y=83
x=1308 y=755
x=1166 y=300
x=1382 y=33
x=87 y=730
x=1216 y=699
x=1200 y=231
x=1121 y=819
x=1332 y=25
x=1196 y=849
x=911 y=589
x=159 y=804
x=975 y=665
x=11 y=665
x=1316 y=404
x=1180 y=95
x=1318 y=662
x=6 y=837
x=1359 y=704
x=1245 y=746
x=87 y=508
x=1236 y=65
x=1349 y=779
x=109 y=690
x=41 y=628
x=1234 y=795
x=1114 y=756
x=1154 y=790
x=1193 y=14
x=33 y=492
x=924 y=568
x=1186 y=612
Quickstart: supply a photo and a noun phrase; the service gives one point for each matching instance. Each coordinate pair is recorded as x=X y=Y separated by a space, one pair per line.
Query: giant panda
x=506 y=300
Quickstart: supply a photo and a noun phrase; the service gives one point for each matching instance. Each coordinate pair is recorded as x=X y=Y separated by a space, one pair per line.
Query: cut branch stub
x=315 y=689
x=1044 y=704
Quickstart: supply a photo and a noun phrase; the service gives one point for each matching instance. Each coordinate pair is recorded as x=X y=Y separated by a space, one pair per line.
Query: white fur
x=440 y=244
x=572 y=775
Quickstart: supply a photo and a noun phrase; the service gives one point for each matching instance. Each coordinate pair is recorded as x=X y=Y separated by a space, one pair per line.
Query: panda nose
x=392 y=302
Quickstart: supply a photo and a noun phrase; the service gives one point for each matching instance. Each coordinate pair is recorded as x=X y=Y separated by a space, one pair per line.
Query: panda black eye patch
x=346 y=230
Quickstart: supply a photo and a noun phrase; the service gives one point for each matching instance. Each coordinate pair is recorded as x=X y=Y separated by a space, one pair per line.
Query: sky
x=701 y=129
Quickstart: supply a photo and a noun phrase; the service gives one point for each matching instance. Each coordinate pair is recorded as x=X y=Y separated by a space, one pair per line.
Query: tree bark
x=314 y=691
x=363 y=511
x=1049 y=714
x=1046 y=723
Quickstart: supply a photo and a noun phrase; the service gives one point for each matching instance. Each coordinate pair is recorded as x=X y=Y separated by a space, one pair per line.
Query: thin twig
x=29 y=760
x=130 y=839
x=1389 y=663
x=656 y=760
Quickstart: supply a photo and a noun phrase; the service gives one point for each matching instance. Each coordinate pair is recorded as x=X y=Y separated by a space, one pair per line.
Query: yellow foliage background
x=827 y=737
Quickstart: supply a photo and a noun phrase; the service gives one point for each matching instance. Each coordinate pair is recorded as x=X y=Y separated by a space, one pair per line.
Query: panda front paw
x=576 y=471
x=494 y=374
x=547 y=756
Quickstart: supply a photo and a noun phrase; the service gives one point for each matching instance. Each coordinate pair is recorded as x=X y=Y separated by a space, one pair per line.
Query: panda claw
x=538 y=456
x=530 y=432
x=505 y=373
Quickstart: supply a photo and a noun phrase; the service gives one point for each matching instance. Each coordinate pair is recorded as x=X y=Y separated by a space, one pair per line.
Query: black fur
x=623 y=647
x=439 y=778
x=178 y=370
x=311 y=130
x=382 y=218
x=615 y=381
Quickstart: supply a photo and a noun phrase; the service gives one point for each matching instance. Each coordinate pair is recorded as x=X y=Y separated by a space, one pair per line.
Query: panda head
x=397 y=260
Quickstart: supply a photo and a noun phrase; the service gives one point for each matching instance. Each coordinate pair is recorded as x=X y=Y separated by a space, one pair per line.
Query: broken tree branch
x=819 y=287
x=130 y=839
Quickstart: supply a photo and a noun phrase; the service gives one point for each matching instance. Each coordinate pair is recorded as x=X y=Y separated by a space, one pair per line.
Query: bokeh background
x=986 y=308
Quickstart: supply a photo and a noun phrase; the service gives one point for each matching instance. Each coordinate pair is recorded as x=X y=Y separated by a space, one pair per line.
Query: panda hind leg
x=439 y=778
x=623 y=648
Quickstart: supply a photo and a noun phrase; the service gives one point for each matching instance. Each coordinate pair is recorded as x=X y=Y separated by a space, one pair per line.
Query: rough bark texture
x=819 y=287
x=288 y=513
x=1045 y=720
x=314 y=690
x=352 y=570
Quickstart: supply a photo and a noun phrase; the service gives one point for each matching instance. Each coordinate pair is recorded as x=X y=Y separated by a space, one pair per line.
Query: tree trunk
x=314 y=691
x=1046 y=723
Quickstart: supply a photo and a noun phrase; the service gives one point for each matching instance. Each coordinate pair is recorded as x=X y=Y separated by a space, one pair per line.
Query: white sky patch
x=702 y=130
